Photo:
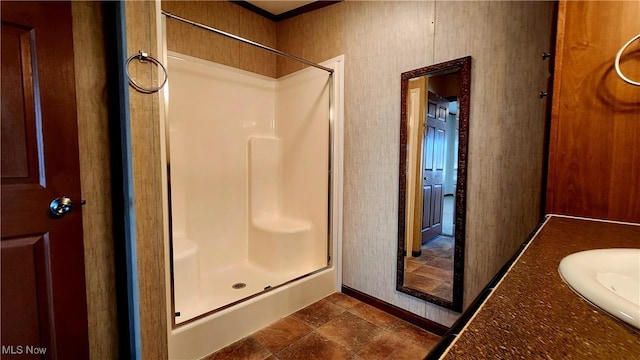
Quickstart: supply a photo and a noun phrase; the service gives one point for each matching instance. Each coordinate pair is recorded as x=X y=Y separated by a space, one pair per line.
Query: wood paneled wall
x=380 y=40
x=228 y=17
x=147 y=181
x=594 y=157
x=93 y=141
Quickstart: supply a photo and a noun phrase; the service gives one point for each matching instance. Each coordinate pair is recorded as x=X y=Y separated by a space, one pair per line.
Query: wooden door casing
x=417 y=99
x=44 y=302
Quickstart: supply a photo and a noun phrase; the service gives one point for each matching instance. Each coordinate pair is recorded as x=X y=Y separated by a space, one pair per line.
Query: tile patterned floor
x=432 y=272
x=334 y=328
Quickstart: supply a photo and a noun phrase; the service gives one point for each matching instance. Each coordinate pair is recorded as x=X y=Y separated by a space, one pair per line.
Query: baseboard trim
x=400 y=313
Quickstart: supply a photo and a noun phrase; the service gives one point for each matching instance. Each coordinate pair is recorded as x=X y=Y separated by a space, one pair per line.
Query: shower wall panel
x=214 y=109
x=302 y=113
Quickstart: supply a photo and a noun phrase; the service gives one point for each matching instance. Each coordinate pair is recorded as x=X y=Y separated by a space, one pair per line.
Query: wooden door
x=434 y=161
x=44 y=309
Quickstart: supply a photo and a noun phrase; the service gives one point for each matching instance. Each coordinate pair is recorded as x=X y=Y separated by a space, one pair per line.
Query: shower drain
x=239 y=285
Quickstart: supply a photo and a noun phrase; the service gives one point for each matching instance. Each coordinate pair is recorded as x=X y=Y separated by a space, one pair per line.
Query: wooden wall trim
x=286 y=15
x=400 y=313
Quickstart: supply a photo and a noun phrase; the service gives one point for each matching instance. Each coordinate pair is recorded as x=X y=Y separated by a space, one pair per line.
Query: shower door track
x=247 y=41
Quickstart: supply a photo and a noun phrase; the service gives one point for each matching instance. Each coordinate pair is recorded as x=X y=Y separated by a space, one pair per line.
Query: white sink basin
x=608 y=278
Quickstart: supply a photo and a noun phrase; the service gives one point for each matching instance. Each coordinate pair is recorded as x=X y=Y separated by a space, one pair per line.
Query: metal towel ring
x=143 y=56
x=617 y=62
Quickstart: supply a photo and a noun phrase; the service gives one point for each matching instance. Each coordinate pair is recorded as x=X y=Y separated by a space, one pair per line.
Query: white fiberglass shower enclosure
x=252 y=195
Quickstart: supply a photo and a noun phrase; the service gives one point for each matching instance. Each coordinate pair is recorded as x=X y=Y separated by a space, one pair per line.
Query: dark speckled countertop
x=533 y=314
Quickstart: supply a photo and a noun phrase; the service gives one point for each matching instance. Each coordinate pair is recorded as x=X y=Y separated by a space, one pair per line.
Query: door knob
x=60 y=206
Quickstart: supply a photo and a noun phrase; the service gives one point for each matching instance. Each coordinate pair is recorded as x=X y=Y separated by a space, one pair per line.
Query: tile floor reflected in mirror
x=432 y=271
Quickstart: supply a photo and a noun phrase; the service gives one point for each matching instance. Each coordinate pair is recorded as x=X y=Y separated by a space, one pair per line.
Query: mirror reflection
x=434 y=127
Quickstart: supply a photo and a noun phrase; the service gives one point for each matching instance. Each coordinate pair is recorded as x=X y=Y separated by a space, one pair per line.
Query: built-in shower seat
x=186 y=275
x=277 y=241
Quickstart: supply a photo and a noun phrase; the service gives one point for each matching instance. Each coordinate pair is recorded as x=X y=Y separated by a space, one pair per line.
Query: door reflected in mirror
x=433 y=153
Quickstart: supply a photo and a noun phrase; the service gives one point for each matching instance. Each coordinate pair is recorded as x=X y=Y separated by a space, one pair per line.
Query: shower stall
x=252 y=196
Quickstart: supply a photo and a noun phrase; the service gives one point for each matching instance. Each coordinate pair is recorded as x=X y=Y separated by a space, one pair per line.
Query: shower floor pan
x=228 y=286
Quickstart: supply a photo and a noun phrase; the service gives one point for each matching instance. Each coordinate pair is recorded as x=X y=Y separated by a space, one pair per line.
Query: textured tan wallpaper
x=315 y=36
x=89 y=54
x=95 y=177
x=506 y=40
x=228 y=17
x=381 y=40
x=147 y=181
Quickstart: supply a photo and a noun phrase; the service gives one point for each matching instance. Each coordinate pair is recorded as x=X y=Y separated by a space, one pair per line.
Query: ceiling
x=277 y=7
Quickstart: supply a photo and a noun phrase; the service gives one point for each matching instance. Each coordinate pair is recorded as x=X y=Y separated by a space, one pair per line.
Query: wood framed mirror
x=434 y=130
